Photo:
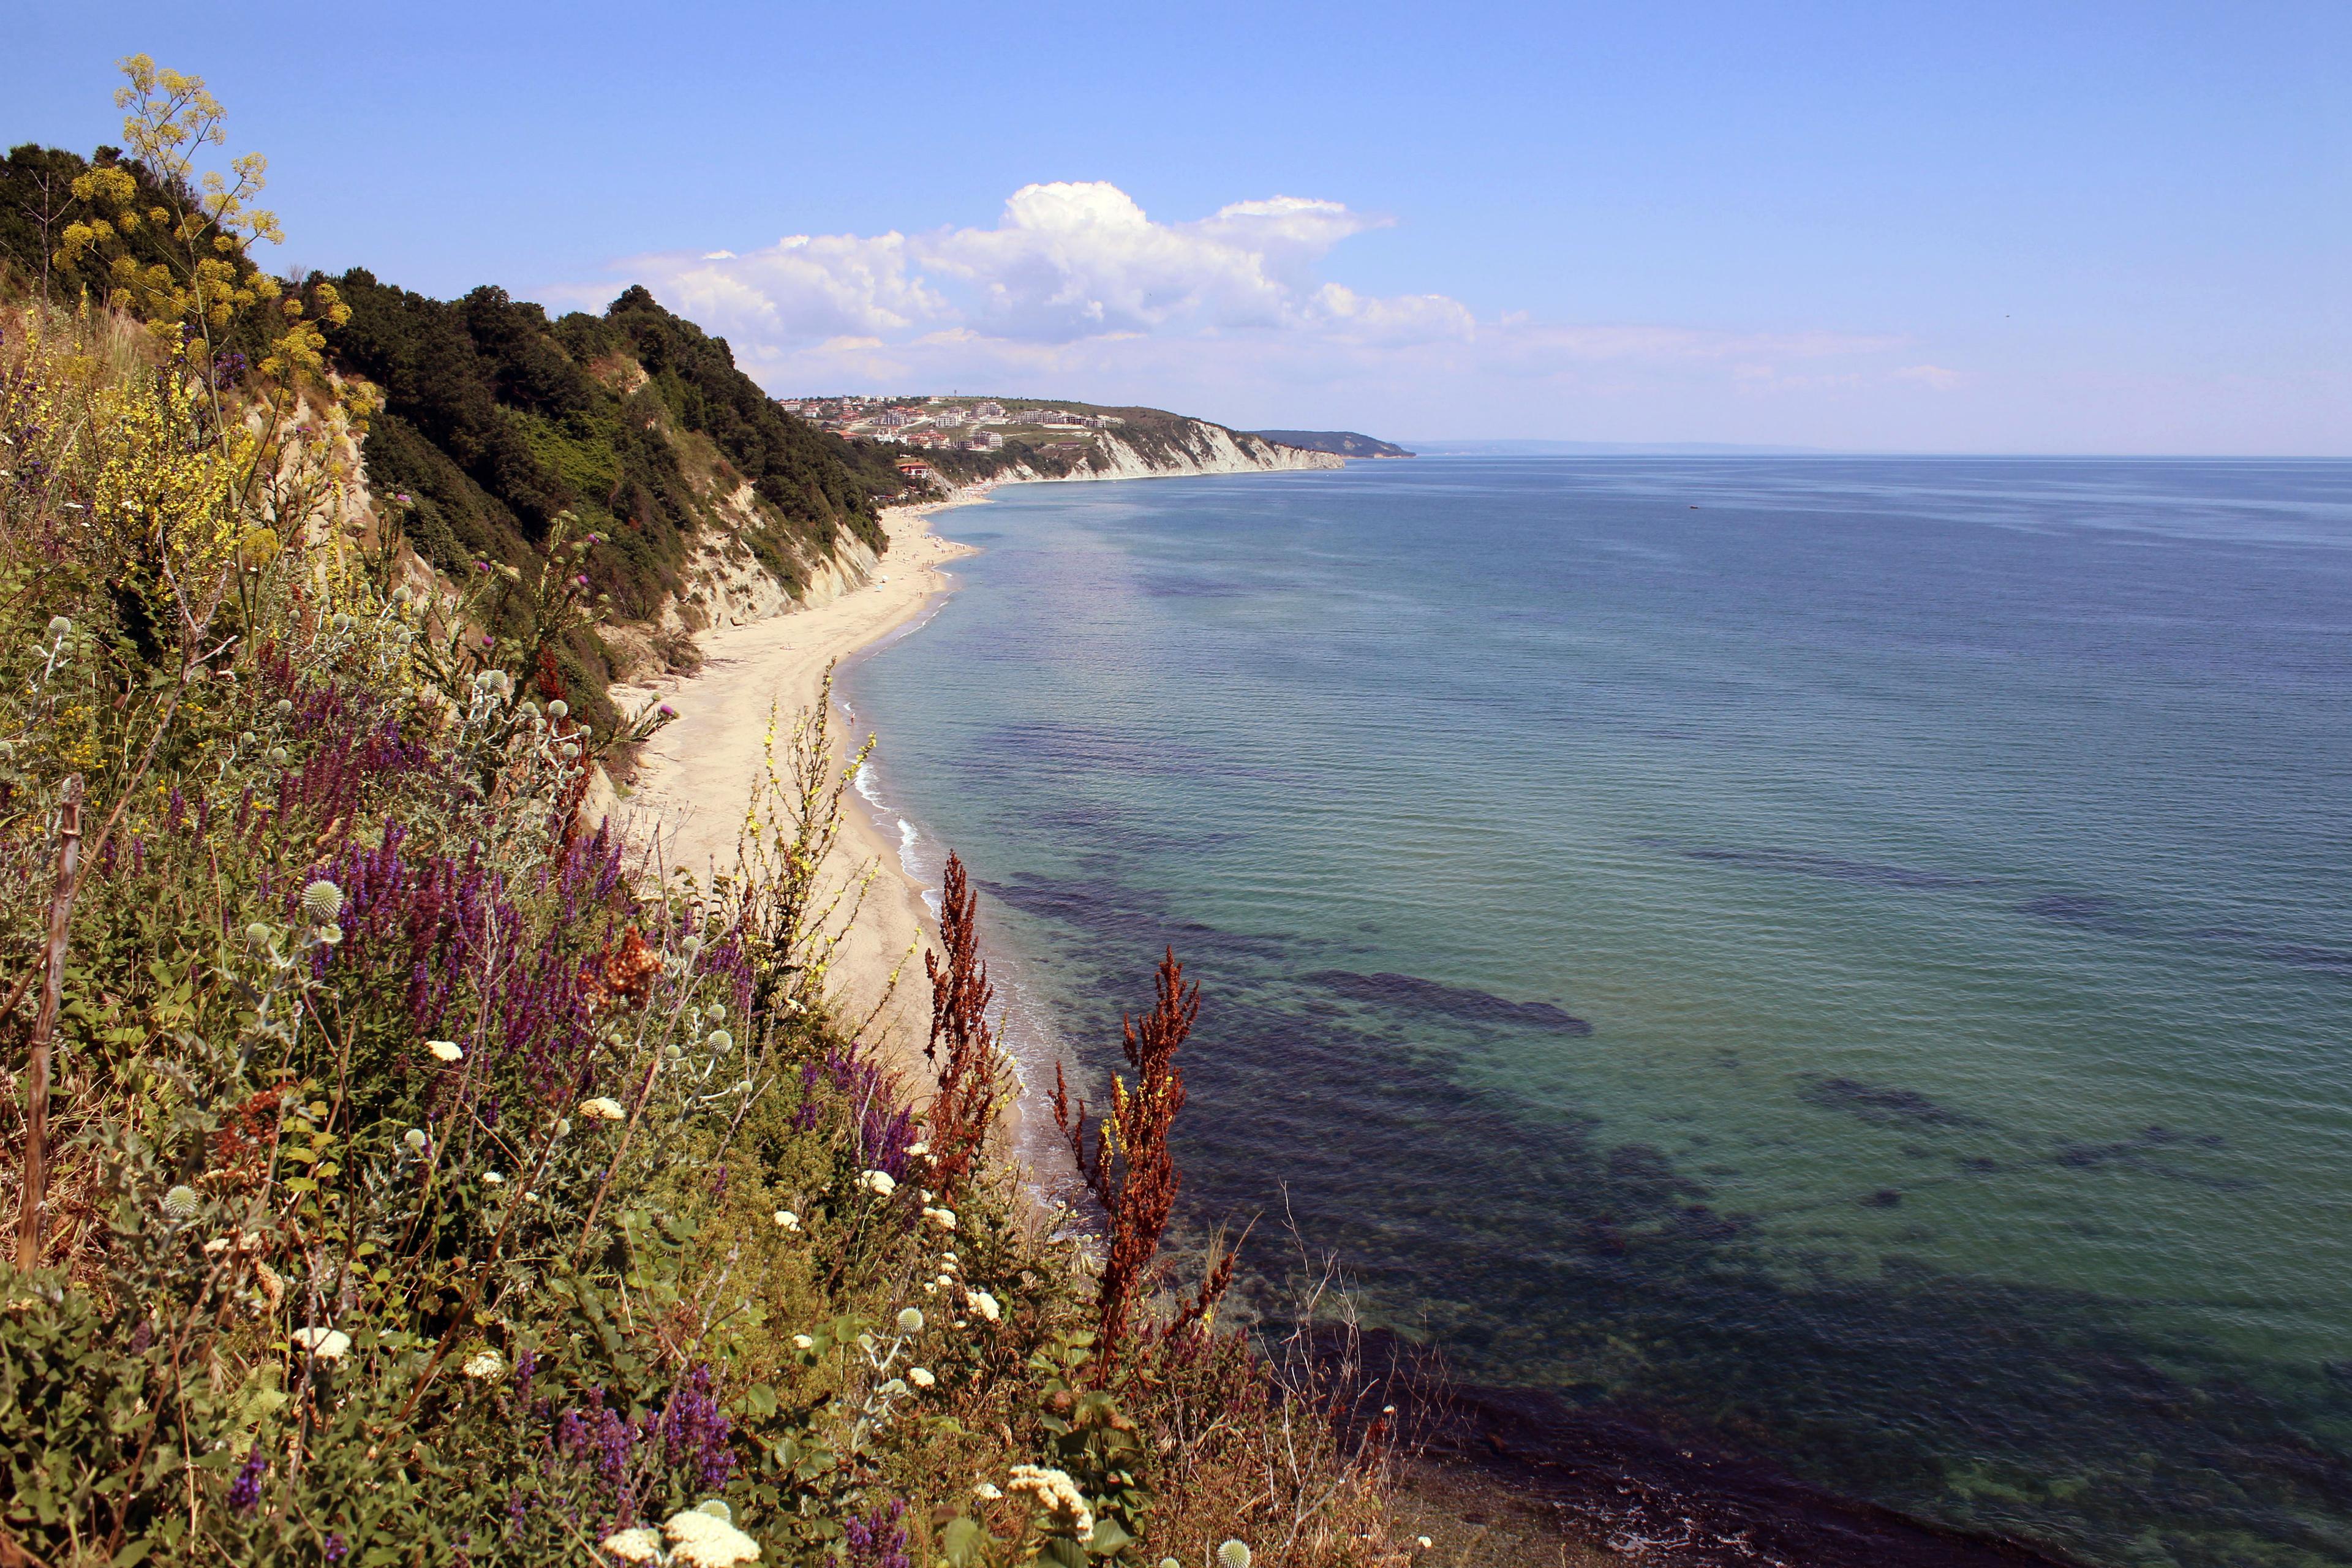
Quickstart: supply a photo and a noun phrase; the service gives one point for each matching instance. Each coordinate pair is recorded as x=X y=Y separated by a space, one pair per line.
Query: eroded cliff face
x=1201 y=448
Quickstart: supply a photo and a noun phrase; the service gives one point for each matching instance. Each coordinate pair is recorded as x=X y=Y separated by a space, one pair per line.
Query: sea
x=1850 y=958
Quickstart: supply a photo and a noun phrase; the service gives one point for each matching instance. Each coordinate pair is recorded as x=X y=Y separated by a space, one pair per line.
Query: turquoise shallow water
x=1853 y=956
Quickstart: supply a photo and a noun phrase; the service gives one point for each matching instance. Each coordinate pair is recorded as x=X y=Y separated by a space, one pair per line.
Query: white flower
x=986 y=1491
x=485 y=1364
x=601 y=1110
x=879 y=1183
x=322 y=901
x=1054 y=1492
x=920 y=1377
x=699 y=1541
x=416 y=1138
x=327 y=1344
x=1425 y=1542
x=910 y=1321
x=944 y=1218
x=919 y=1149
x=803 y=1342
x=1234 y=1554
x=634 y=1545
x=492 y=1179
x=447 y=1050
x=787 y=1220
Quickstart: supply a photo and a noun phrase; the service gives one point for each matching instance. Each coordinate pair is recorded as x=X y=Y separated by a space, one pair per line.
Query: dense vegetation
x=405 y=1173
x=495 y=422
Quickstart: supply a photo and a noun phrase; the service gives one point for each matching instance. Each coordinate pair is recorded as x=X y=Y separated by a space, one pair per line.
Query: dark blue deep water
x=1853 y=956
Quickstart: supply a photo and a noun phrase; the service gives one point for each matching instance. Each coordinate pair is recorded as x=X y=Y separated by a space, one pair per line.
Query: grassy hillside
x=405 y=1172
x=1344 y=443
x=496 y=421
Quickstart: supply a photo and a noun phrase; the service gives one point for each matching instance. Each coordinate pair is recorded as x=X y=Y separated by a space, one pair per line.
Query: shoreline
x=1512 y=1474
x=696 y=774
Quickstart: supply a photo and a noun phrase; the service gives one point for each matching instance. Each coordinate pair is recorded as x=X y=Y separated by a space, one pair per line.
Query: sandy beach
x=696 y=775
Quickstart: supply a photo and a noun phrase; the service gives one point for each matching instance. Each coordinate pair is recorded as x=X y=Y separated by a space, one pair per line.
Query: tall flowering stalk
x=1130 y=1170
x=972 y=1074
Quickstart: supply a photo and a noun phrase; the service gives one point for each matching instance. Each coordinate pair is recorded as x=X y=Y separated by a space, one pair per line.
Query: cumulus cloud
x=1077 y=289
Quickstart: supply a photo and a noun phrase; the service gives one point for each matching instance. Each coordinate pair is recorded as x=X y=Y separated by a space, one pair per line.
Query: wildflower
x=492 y=1179
x=558 y=709
x=787 y=1220
x=447 y=1050
x=803 y=1342
x=910 y=1321
x=667 y=712
x=342 y=622
x=639 y=1545
x=60 y=628
x=920 y=1377
x=983 y=1303
x=562 y=1126
x=699 y=1541
x=245 y=1492
x=485 y=1364
x=1425 y=1542
x=944 y=1218
x=719 y=1041
x=879 y=1183
x=416 y=1138
x=1054 y=1492
x=919 y=1151
x=987 y=1491
x=182 y=1204
x=285 y=706
x=278 y=755
x=327 y=1344
x=322 y=901
x=601 y=1110
x=1234 y=1554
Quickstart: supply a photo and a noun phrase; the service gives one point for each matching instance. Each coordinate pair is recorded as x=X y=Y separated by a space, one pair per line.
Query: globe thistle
x=182 y=1204
x=342 y=621
x=719 y=1042
x=558 y=709
x=1234 y=1554
x=60 y=628
x=258 y=934
x=285 y=706
x=910 y=1321
x=416 y=1138
x=278 y=755
x=322 y=901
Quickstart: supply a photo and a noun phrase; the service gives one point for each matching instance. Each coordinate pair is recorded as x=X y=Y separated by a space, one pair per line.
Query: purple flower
x=335 y=1548
x=667 y=712
x=245 y=1492
x=879 y=1542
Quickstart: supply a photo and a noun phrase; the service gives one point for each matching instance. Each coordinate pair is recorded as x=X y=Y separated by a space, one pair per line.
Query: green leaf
x=963 y=1540
x=1069 y=1553
x=1109 y=1540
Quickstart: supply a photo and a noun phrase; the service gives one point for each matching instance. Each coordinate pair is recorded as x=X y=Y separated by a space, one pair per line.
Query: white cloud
x=1933 y=375
x=1075 y=290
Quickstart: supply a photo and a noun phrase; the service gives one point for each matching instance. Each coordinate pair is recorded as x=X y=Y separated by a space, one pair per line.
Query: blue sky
x=2049 y=227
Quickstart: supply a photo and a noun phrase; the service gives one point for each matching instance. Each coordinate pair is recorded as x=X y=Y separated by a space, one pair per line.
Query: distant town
x=952 y=424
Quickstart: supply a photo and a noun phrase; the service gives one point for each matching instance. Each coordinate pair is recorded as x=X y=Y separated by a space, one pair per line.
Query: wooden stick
x=36 y=1184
